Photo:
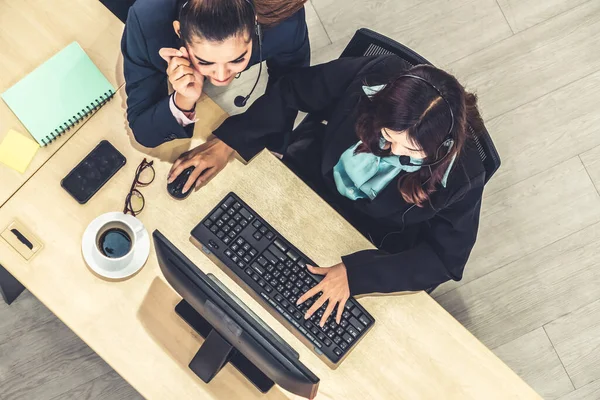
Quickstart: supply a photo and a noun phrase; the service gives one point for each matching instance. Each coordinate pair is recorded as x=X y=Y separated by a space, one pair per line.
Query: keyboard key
x=344 y=345
x=247 y=257
x=269 y=235
x=291 y=309
x=228 y=203
x=346 y=314
x=208 y=223
x=235 y=247
x=331 y=334
x=241 y=264
x=287 y=294
x=263 y=229
x=220 y=234
x=363 y=318
x=238 y=228
x=344 y=323
x=337 y=339
x=235 y=258
x=321 y=336
x=256 y=224
x=286 y=272
x=337 y=351
x=218 y=212
x=258 y=268
x=279 y=298
x=357 y=324
x=246 y=247
x=280 y=256
x=243 y=223
x=269 y=256
x=349 y=339
x=226 y=228
x=297 y=315
x=356 y=312
x=280 y=288
x=274 y=282
x=339 y=331
x=249 y=271
x=302 y=263
x=262 y=283
x=226 y=239
x=295 y=291
x=214 y=229
x=315 y=331
x=238 y=218
x=289 y=285
x=246 y=214
x=240 y=253
x=237 y=205
x=293 y=299
x=293 y=255
x=257 y=236
x=308 y=324
x=280 y=245
x=262 y=261
x=231 y=211
x=280 y=266
x=228 y=253
x=253 y=252
x=232 y=234
x=285 y=303
x=351 y=330
x=327 y=342
x=225 y=217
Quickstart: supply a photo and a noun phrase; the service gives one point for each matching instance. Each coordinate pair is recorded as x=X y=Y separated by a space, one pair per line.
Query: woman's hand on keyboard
x=335 y=288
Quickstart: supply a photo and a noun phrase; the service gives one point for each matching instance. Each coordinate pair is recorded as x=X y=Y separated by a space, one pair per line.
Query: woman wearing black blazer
x=395 y=158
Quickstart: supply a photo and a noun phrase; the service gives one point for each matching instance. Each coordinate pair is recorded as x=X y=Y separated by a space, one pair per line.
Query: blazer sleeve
x=439 y=255
x=309 y=90
x=148 y=112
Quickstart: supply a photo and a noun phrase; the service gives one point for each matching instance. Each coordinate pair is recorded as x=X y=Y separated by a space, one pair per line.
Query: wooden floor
x=531 y=290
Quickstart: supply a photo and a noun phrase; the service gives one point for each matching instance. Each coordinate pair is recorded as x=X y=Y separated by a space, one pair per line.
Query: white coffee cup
x=115 y=245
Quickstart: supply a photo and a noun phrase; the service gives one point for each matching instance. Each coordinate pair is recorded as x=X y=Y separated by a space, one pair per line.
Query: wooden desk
x=34 y=30
x=415 y=351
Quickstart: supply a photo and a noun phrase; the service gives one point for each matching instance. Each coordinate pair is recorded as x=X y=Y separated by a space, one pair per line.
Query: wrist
x=184 y=104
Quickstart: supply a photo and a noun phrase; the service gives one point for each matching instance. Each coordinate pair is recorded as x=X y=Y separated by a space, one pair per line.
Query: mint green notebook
x=59 y=94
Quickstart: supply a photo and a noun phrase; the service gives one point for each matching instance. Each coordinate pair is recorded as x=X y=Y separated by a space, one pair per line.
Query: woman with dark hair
x=396 y=159
x=184 y=42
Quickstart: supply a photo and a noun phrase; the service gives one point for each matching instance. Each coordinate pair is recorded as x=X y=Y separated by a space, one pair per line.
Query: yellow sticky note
x=17 y=150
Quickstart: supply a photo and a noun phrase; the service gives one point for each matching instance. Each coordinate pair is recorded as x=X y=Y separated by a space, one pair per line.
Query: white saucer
x=98 y=263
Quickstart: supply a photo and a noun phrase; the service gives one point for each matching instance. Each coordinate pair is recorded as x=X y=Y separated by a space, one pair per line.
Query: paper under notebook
x=59 y=94
x=17 y=150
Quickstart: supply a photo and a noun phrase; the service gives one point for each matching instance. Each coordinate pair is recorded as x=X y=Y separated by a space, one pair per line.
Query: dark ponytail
x=217 y=20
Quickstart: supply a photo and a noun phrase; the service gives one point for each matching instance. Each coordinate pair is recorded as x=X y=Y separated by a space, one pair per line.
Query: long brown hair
x=416 y=107
x=272 y=12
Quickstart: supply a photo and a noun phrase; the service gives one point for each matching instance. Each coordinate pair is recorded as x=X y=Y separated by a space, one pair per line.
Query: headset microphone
x=240 y=101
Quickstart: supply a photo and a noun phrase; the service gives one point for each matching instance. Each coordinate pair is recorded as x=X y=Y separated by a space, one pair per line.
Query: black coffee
x=114 y=243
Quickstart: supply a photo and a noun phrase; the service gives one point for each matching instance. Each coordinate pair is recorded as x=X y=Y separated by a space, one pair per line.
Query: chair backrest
x=368 y=43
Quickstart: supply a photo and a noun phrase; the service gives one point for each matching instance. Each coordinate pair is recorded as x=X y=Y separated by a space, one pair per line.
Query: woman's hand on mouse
x=185 y=79
x=335 y=289
x=208 y=159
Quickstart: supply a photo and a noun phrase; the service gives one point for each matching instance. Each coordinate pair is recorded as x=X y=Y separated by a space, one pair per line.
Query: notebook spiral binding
x=85 y=112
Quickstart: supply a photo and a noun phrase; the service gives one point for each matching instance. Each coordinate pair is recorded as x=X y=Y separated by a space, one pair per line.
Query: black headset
x=448 y=142
x=240 y=101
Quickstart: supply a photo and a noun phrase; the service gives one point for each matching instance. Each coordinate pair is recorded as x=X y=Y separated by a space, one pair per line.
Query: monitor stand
x=215 y=352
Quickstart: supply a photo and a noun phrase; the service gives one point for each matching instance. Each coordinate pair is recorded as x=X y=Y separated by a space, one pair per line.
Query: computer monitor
x=232 y=332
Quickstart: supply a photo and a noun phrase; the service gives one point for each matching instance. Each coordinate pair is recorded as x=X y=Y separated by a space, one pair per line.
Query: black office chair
x=366 y=43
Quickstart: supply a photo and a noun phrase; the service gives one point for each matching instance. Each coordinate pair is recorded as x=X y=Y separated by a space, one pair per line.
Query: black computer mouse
x=175 y=188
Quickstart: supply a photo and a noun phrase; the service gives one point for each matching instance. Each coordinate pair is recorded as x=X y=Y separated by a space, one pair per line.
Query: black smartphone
x=93 y=172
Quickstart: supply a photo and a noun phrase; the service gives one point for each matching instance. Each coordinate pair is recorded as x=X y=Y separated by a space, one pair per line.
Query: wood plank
x=21 y=317
x=587 y=392
x=442 y=31
x=591 y=161
x=534 y=62
x=523 y=14
x=534 y=359
x=530 y=215
x=109 y=386
x=46 y=362
x=530 y=292
x=576 y=337
x=547 y=131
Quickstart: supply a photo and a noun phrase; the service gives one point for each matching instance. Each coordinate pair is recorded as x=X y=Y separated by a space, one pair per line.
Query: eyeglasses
x=144 y=175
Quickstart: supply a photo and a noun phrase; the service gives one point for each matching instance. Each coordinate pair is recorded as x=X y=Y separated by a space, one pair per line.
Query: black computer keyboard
x=273 y=270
